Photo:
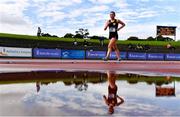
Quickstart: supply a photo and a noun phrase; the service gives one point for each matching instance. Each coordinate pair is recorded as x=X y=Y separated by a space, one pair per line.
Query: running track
x=155 y=67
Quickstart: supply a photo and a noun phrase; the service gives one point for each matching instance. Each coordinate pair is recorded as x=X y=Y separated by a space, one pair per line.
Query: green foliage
x=151 y=39
x=133 y=38
x=81 y=33
x=68 y=35
x=79 y=36
x=125 y=42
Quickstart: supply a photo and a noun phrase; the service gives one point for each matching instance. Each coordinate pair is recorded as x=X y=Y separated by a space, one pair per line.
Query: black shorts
x=113 y=35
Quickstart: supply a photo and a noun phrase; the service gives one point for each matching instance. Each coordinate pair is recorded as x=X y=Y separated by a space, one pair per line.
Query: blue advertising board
x=137 y=56
x=46 y=53
x=122 y=55
x=102 y=54
x=172 y=57
x=73 y=54
x=81 y=54
x=155 y=56
x=95 y=54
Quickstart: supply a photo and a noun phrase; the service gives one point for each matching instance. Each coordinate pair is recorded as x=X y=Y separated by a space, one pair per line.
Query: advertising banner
x=15 y=52
x=137 y=56
x=73 y=54
x=46 y=53
x=155 y=56
x=166 y=30
x=172 y=57
x=122 y=55
x=95 y=54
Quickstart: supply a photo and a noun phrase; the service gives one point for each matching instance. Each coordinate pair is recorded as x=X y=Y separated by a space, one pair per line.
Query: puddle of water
x=68 y=93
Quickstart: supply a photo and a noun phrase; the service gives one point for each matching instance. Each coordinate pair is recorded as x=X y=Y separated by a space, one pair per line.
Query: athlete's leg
x=111 y=79
x=117 y=51
x=110 y=47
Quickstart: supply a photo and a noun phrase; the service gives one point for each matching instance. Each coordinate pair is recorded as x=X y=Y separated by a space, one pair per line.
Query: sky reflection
x=58 y=98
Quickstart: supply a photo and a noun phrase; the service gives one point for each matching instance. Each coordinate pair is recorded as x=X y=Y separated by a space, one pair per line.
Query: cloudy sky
x=62 y=16
x=57 y=99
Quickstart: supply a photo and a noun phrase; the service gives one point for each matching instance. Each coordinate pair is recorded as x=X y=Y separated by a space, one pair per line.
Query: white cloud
x=137 y=14
x=121 y=4
x=53 y=16
x=102 y=1
x=116 y=3
x=23 y=16
x=14 y=7
x=77 y=1
x=97 y=8
x=12 y=18
x=147 y=14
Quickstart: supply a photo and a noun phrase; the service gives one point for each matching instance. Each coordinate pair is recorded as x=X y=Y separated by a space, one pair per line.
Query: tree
x=150 y=39
x=54 y=36
x=83 y=32
x=68 y=35
x=168 y=39
x=160 y=38
x=46 y=35
x=78 y=36
x=94 y=37
x=133 y=38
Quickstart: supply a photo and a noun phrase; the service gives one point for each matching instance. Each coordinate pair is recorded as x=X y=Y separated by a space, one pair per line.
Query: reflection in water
x=84 y=93
x=166 y=90
x=38 y=86
x=82 y=86
x=112 y=99
x=79 y=78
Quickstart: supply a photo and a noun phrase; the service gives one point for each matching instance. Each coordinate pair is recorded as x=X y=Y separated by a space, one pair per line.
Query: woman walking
x=113 y=25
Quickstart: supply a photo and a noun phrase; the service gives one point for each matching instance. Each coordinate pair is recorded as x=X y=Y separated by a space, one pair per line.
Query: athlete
x=113 y=25
x=113 y=99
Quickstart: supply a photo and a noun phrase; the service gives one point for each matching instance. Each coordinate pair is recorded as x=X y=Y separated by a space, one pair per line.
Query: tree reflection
x=82 y=86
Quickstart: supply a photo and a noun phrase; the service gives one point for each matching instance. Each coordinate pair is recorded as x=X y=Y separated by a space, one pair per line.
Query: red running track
x=162 y=67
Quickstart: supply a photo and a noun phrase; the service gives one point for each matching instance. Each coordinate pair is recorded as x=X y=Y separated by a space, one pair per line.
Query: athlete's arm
x=122 y=24
x=105 y=99
x=106 y=25
x=121 y=100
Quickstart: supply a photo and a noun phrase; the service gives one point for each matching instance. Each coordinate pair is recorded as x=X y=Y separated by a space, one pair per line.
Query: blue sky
x=59 y=17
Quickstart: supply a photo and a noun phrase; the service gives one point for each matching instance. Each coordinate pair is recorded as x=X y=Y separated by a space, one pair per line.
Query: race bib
x=112 y=29
x=111 y=96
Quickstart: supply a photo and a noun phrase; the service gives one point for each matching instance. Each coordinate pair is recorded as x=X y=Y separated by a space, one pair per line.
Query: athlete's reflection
x=112 y=99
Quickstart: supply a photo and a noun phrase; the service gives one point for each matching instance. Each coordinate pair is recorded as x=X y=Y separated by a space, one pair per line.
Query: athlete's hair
x=113 y=12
